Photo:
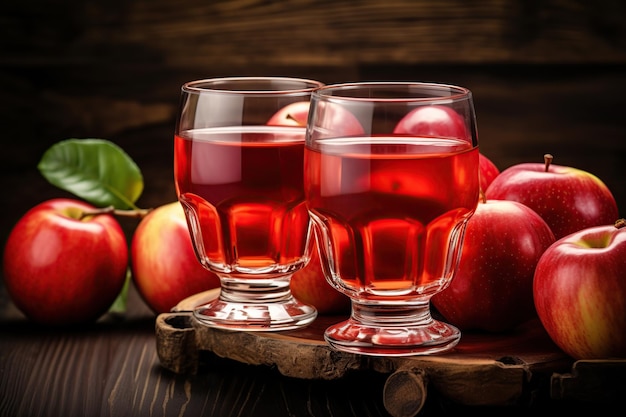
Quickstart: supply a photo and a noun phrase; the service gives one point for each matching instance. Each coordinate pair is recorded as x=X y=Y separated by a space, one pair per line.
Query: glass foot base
x=352 y=336
x=285 y=315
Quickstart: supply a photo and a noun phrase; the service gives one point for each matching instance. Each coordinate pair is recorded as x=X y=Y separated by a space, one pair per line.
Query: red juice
x=393 y=209
x=243 y=193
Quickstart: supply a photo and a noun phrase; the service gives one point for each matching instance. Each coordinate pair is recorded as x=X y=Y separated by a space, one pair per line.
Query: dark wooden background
x=547 y=76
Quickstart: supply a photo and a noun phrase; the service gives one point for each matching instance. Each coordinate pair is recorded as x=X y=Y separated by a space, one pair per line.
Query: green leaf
x=119 y=305
x=95 y=170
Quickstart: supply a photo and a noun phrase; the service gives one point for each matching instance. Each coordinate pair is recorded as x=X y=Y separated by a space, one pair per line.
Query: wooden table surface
x=111 y=368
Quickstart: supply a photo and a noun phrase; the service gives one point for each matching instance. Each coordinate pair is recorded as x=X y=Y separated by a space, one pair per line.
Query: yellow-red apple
x=310 y=286
x=580 y=292
x=165 y=268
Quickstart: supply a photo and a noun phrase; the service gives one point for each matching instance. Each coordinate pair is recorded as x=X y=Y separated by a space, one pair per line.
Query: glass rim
x=212 y=85
x=454 y=92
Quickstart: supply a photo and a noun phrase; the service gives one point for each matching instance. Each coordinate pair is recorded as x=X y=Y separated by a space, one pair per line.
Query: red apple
x=293 y=114
x=444 y=121
x=487 y=171
x=61 y=269
x=310 y=286
x=164 y=265
x=492 y=289
x=333 y=120
x=433 y=121
x=580 y=292
x=568 y=199
x=296 y=114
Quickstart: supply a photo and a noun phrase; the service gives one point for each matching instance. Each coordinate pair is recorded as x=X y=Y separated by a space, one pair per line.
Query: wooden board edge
x=599 y=381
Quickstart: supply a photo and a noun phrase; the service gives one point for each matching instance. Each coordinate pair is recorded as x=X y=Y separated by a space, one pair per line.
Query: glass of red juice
x=391 y=179
x=238 y=169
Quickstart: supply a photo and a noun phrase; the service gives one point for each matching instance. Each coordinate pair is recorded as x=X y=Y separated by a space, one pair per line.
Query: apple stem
x=619 y=223
x=136 y=213
x=548 y=160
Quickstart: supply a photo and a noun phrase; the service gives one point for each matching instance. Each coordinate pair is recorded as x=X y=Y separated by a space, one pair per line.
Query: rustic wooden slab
x=483 y=369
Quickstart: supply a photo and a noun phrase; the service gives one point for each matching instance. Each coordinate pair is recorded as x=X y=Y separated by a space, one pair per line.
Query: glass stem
x=386 y=315
x=248 y=290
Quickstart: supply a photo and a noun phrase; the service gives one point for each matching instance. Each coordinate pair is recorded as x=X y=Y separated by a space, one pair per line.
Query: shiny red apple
x=580 y=292
x=293 y=114
x=165 y=269
x=62 y=269
x=433 y=121
x=567 y=198
x=310 y=286
x=487 y=171
x=492 y=289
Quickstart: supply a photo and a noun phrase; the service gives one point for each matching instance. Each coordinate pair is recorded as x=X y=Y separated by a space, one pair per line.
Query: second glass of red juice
x=391 y=179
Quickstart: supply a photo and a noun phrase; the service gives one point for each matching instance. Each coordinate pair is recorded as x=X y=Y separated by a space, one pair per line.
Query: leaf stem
x=136 y=213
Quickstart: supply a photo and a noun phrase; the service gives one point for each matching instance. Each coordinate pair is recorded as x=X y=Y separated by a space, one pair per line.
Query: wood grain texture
x=111 y=368
x=224 y=33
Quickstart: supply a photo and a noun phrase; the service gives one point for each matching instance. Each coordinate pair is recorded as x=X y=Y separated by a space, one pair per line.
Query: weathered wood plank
x=246 y=33
x=494 y=370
